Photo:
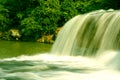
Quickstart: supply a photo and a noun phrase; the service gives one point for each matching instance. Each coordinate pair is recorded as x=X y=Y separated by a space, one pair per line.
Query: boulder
x=14 y=33
x=46 y=39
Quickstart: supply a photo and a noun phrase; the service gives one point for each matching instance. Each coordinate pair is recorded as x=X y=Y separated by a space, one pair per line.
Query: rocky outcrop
x=49 y=38
x=46 y=39
x=14 y=33
x=57 y=30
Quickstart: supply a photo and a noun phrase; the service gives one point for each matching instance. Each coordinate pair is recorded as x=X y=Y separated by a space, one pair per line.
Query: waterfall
x=89 y=34
x=94 y=37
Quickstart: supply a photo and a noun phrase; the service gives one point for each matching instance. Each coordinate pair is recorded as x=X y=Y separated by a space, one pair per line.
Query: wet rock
x=14 y=34
x=46 y=39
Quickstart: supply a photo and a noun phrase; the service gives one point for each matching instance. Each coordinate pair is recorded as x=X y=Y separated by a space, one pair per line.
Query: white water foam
x=51 y=67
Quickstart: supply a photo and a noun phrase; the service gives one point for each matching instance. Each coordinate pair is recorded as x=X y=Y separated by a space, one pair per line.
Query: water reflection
x=13 y=49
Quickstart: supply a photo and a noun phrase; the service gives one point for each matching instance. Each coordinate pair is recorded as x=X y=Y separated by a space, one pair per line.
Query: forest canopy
x=34 y=18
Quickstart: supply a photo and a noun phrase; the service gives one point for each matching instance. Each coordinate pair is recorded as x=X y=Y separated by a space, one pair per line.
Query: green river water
x=13 y=48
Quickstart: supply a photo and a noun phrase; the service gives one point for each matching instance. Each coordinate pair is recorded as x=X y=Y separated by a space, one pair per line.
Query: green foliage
x=68 y=8
x=107 y=4
x=3 y=18
x=42 y=20
x=30 y=29
x=47 y=15
x=35 y=18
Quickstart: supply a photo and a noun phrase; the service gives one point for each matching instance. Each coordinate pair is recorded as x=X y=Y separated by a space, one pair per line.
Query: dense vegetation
x=35 y=18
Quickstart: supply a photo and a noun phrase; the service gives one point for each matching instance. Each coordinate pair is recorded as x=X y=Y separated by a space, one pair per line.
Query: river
x=33 y=61
x=14 y=48
x=87 y=48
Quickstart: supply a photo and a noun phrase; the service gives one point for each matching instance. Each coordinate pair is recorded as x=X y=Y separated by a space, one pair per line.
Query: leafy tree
x=31 y=29
x=68 y=10
x=18 y=9
x=42 y=19
x=3 y=18
x=35 y=18
x=107 y=4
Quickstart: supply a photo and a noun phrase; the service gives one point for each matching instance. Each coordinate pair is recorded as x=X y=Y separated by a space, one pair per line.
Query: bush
x=35 y=18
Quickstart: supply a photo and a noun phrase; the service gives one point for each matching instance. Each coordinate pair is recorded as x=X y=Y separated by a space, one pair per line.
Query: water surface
x=14 y=48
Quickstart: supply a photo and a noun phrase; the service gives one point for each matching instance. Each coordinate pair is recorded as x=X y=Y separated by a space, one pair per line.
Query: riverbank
x=16 y=35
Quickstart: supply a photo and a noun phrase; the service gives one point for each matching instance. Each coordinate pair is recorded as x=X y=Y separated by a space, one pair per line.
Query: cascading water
x=89 y=34
x=93 y=34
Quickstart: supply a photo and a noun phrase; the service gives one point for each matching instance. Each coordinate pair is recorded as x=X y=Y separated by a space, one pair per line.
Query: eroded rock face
x=14 y=33
x=46 y=39
x=58 y=29
x=49 y=38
